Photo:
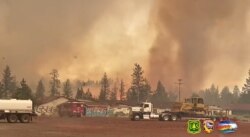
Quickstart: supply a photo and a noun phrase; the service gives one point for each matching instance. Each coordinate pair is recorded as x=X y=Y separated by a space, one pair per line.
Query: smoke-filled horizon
x=82 y=39
x=202 y=42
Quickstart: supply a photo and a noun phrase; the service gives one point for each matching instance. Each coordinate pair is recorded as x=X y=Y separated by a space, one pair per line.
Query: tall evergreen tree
x=132 y=95
x=24 y=92
x=122 y=90
x=113 y=94
x=245 y=95
x=226 y=96
x=105 y=89
x=140 y=88
x=236 y=94
x=79 y=93
x=1 y=90
x=8 y=84
x=211 y=96
x=67 y=89
x=160 y=96
x=88 y=95
x=40 y=91
x=54 y=83
x=145 y=91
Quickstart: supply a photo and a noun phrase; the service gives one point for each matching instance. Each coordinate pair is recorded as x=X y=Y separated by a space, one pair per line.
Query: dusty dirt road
x=106 y=127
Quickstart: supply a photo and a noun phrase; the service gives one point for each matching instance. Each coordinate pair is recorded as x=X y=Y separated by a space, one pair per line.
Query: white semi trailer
x=16 y=110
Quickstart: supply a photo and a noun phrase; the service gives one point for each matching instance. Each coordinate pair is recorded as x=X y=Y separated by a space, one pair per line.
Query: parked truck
x=14 y=110
x=191 y=108
x=144 y=111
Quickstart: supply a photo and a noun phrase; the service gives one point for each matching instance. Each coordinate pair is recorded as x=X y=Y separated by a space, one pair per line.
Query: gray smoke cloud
x=200 y=41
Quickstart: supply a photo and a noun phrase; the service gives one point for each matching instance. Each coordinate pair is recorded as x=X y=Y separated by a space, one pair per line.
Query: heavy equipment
x=191 y=108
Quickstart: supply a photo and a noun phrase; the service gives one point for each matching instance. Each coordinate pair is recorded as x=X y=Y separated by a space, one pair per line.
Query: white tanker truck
x=16 y=110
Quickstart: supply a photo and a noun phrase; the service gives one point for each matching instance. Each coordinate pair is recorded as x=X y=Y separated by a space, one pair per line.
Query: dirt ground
x=106 y=127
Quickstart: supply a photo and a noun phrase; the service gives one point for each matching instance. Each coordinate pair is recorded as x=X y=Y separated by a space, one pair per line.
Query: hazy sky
x=203 y=41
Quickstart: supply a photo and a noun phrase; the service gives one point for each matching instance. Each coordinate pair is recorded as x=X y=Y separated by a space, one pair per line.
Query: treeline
x=139 y=90
x=111 y=91
x=213 y=96
x=10 y=89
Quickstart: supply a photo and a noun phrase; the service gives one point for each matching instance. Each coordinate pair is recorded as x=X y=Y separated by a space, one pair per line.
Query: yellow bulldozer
x=191 y=108
x=192 y=105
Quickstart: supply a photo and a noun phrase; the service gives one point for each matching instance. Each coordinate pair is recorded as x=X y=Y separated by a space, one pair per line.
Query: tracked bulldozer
x=193 y=105
x=191 y=108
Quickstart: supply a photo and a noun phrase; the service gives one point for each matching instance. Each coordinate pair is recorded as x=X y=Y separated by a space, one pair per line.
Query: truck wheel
x=12 y=118
x=136 y=117
x=173 y=117
x=25 y=118
x=165 y=118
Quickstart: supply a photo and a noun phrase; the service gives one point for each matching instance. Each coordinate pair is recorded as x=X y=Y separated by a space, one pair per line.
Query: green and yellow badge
x=194 y=126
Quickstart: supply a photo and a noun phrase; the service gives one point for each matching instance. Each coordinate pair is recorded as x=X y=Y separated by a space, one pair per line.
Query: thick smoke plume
x=81 y=38
x=38 y=36
x=200 y=41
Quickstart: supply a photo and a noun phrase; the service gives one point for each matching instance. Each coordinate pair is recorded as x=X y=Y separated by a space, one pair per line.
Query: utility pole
x=179 y=84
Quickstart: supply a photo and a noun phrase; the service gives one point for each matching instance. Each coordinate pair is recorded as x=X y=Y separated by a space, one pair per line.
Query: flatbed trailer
x=178 y=116
x=191 y=108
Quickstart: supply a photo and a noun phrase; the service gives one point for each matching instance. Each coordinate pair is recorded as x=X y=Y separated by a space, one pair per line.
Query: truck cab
x=144 y=111
x=147 y=107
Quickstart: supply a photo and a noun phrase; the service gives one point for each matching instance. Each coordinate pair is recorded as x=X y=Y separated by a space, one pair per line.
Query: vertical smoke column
x=182 y=48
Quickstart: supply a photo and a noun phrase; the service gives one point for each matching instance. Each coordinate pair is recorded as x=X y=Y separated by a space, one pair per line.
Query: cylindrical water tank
x=15 y=105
